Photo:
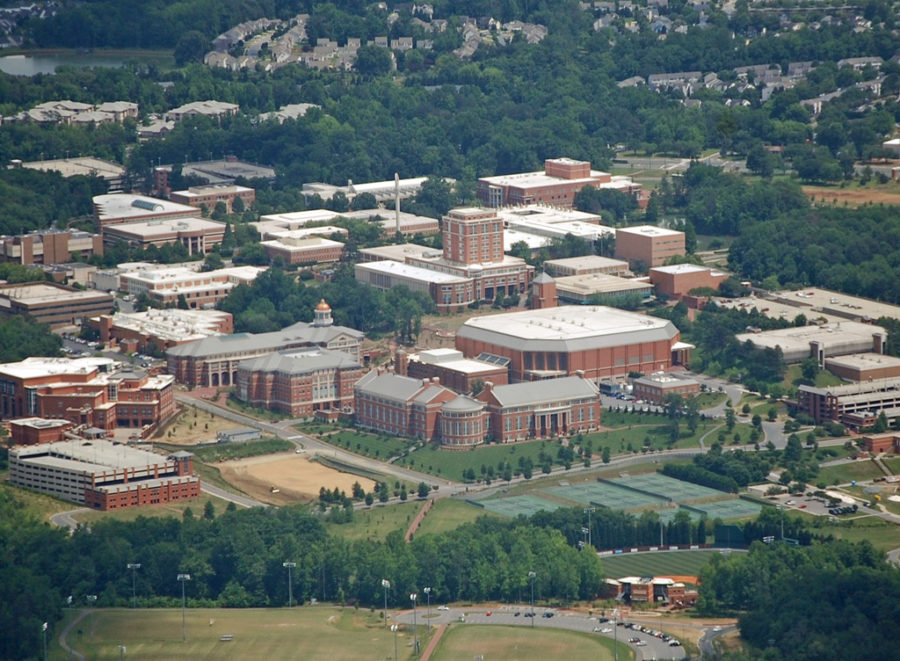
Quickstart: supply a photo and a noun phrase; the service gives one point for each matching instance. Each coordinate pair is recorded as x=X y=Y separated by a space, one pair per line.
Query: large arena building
x=594 y=341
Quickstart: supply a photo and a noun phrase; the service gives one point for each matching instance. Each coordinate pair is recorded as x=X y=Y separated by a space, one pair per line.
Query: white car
x=443 y=608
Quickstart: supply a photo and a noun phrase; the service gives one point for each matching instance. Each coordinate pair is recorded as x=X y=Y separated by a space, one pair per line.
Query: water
x=30 y=65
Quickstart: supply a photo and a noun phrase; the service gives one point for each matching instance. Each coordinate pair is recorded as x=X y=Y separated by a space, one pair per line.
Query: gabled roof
x=389 y=386
x=537 y=392
x=300 y=362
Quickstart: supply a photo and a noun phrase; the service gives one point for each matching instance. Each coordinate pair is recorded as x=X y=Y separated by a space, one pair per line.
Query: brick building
x=879 y=443
x=541 y=409
x=198 y=235
x=305 y=250
x=452 y=368
x=648 y=245
x=200 y=289
x=556 y=185
x=864 y=366
x=656 y=387
x=214 y=361
x=103 y=475
x=586 y=265
x=30 y=431
x=464 y=423
x=88 y=392
x=53 y=304
x=127 y=208
x=206 y=197
x=49 y=247
x=160 y=329
x=857 y=405
x=599 y=341
x=400 y=405
x=677 y=280
x=299 y=383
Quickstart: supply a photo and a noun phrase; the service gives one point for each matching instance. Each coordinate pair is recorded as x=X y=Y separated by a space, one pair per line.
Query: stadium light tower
x=589 y=511
x=290 y=566
x=183 y=578
x=133 y=566
x=412 y=597
x=531 y=576
x=386 y=584
x=427 y=592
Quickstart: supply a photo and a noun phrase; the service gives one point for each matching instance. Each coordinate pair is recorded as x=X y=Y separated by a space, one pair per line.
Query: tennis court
x=668 y=487
x=516 y=505
x=609 y=495
x=729 y=509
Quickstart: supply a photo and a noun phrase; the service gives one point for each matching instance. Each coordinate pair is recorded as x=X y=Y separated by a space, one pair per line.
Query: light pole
x=122 y=650
x=44 y=638
x=427 y=592
x=412 y=598
x=531 y=576
x=183 y=578
x=589 y=511
x=587 y=534
x=616 y=632
x=386 y=584
x=92 y=599
x=290 y=566
x=394 y=628
x=133 y=566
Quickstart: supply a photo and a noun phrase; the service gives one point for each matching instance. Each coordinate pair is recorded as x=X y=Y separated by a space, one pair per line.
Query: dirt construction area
x=286 y=478
x=192 y=426
x=854 y=197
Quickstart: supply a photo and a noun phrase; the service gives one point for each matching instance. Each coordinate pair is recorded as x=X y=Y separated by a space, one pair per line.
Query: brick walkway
x=414 y=526
x=441 y=628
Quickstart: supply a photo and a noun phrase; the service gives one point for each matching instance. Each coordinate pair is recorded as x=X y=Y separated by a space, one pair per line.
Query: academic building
x=88 y=392
x=49 y=247
x=53 y=304
x=206 y=197
x=197 y=235
x=160 y=329
x=648 y=245
x=556 y=185
x=103 y=475
x=299 y=383
x=855 y=405
x=214 y=361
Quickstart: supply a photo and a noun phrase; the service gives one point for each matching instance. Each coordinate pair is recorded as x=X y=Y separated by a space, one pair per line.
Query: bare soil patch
x=190 y=429
x=286 y=478
x=854 y=197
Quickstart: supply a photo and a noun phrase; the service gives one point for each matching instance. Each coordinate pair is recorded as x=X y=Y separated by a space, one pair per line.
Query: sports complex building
x=596 y=342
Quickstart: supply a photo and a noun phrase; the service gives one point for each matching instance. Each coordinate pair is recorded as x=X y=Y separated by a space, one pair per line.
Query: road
x=237 y=499
x=653 y=648
x=63 y=642
x=708 y=650
x=65 y=519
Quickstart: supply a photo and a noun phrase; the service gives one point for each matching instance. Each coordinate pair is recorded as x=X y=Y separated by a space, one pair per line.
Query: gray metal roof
x=299 y=362
x=298 y=334
x=549 y=390
x=462 y=404
x=389 y=385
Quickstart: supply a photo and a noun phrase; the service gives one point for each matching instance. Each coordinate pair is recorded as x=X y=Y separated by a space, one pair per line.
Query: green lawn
x=506 y=643
x=882 y=535
x=861 y=469
x=377 y=522
x=175 y=509
x=448 y=514
x=452 y=464
x=370 y=445
x=680 y=563
x=309 y=632
x=707 y=400
x=37 y=504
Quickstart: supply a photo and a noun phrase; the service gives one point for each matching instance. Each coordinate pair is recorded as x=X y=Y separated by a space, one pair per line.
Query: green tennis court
x=518 y=505
x=609 y=495
x=668 y=487
x=729 y=509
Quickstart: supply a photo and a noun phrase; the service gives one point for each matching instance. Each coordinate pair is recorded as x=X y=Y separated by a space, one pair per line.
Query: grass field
x=370 y=445
x=376 y=523
x=883 y=536
x=677 y=563
x=37 y=504
x=448 y=514
x=501 y=643
x=452 y=464
x=175 y=509
x=272 y=634
x=861 y=469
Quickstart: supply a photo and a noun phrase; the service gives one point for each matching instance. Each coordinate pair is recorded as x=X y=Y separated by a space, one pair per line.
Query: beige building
x=648 y=244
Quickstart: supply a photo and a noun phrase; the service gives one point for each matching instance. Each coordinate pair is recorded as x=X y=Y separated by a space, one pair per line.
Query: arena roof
x=567 y=328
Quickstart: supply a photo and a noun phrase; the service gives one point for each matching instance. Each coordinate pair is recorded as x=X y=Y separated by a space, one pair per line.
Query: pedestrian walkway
x=432 y=644
x=414 y=526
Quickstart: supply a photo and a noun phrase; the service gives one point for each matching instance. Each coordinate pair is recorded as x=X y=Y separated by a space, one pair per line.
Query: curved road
x=65 y=519
x=64 y=635
x=708 y=647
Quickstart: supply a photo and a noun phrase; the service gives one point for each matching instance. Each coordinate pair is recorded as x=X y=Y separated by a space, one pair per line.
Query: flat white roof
x=146 y=229
x=37 y=366
x=599 y=283
x=270 y=231
x=225 y=189
x=596 y=324
x=533 y=241
x=540 y=178
x=838 y=304
x=836 y=337
x=546 y=214
x=864 y=360
x=587 y=262
x=292 y=244
x=125 y=205
x=69 y=167
x=39 y=292
x=648 y=230
x=411 y=272
x=399 y=251
x=172 y=323
x=676 y=269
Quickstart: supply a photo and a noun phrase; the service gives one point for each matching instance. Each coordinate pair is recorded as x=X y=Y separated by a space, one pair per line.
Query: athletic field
x=660 y=563
x=500 y=643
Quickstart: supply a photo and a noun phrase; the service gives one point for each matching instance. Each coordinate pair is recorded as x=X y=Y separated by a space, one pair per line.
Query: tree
x=729 y=418
x=237 y=205
x=191 y=47
x=373 y=60
x=364 y=201
x=209 y=510
x=213 y=261
x=423 y=490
